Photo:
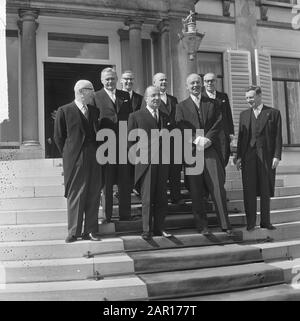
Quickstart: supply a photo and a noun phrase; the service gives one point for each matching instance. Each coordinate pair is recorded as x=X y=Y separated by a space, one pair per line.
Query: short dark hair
x=257 y=89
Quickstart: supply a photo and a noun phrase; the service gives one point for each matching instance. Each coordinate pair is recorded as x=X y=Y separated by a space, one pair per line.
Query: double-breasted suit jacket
x=150 y=176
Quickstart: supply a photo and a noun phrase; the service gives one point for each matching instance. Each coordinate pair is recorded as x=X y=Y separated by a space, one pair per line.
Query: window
x=211 y=62
x=286 y=92
x=78 y=46
x=9 y=129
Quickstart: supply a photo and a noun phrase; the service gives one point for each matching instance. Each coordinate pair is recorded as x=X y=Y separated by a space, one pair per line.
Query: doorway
x=59 y=81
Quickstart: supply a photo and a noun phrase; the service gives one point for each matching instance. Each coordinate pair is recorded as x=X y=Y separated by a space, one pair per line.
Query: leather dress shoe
x=71 y=239
x=268 y=227
x=205 y=231
x=229 y=232
x=164 y=234
x=146 y=236
x=250 y=228
x=91 y=237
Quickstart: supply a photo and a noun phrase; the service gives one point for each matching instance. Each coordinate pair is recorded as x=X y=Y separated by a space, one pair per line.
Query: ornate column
x=164 y=30
x=29 y=90
x=135 y=52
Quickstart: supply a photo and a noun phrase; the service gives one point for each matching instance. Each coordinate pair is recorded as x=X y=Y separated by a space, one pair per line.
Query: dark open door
x=60 y=79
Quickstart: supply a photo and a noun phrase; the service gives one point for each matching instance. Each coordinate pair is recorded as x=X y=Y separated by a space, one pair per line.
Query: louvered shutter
x=240 y=77
x=263 y=70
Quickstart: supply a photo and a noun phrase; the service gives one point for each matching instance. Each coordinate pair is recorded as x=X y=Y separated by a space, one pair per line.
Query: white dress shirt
x=163 y=97
x=211 y=95
x=111 y=94
x=196 y=100
x=257 y=110
x=152 y=111
x=83 y=108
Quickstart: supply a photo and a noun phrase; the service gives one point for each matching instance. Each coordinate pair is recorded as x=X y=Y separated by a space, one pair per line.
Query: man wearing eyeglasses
x=227 y=128
x=75 y=129
x=127 y=83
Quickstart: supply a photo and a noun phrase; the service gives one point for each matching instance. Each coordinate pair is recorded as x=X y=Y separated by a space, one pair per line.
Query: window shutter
x=240 y=77
x=263 y=71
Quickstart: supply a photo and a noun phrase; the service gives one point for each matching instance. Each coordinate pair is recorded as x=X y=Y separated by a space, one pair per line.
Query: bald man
x=199 y=112
x=151 y=177
x=75 y=131
x=167 y=106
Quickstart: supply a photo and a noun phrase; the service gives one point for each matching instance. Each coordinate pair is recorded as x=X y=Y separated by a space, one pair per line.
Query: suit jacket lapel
x=118 y=102
x=204 y=109
x=193 y=110
x=264 y=116
x=78 y=116
x=107 y=101
x=150 y=118
x=248 y=118
x=163 y=107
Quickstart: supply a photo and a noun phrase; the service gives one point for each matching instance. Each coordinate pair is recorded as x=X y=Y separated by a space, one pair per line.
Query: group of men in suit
x=77 y=124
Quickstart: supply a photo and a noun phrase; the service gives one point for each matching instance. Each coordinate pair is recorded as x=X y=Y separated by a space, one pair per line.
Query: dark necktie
x=156 y=116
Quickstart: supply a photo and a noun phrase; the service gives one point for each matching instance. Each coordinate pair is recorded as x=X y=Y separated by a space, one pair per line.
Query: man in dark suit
x=127 y=82
x=114 y=106
x=227 y=128
x=258 y=155
x=75 y=129
x=151 y=176
x=199 y=112
x=168 y=107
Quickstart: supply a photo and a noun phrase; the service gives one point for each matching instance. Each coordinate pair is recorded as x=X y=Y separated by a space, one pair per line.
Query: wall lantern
x=190 y=38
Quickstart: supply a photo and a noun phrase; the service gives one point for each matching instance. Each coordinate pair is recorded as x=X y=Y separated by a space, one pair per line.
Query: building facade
x=51 y=44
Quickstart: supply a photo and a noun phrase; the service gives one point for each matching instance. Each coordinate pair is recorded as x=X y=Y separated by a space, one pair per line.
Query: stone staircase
x=36 y=263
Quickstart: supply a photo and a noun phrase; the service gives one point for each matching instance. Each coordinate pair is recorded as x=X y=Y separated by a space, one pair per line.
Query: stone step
x=109 y=289
x=12 y=191
x=12 y=173
x=33 y=232
x=280 y=250
x=173 y=220
x=290 y=179
x=59 y=202
x=36 y=181
x=194 y=257
x=284 y=231
x=57 y=249
x=237 y=184
x=66 y=269
x=279 y=191
x=276 y=203
x=40 y=163
x=291 y=269
x=281 y=292
x=211 y=280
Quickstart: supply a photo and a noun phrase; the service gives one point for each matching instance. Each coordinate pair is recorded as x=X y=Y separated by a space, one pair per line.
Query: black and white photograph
x=149 y=153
